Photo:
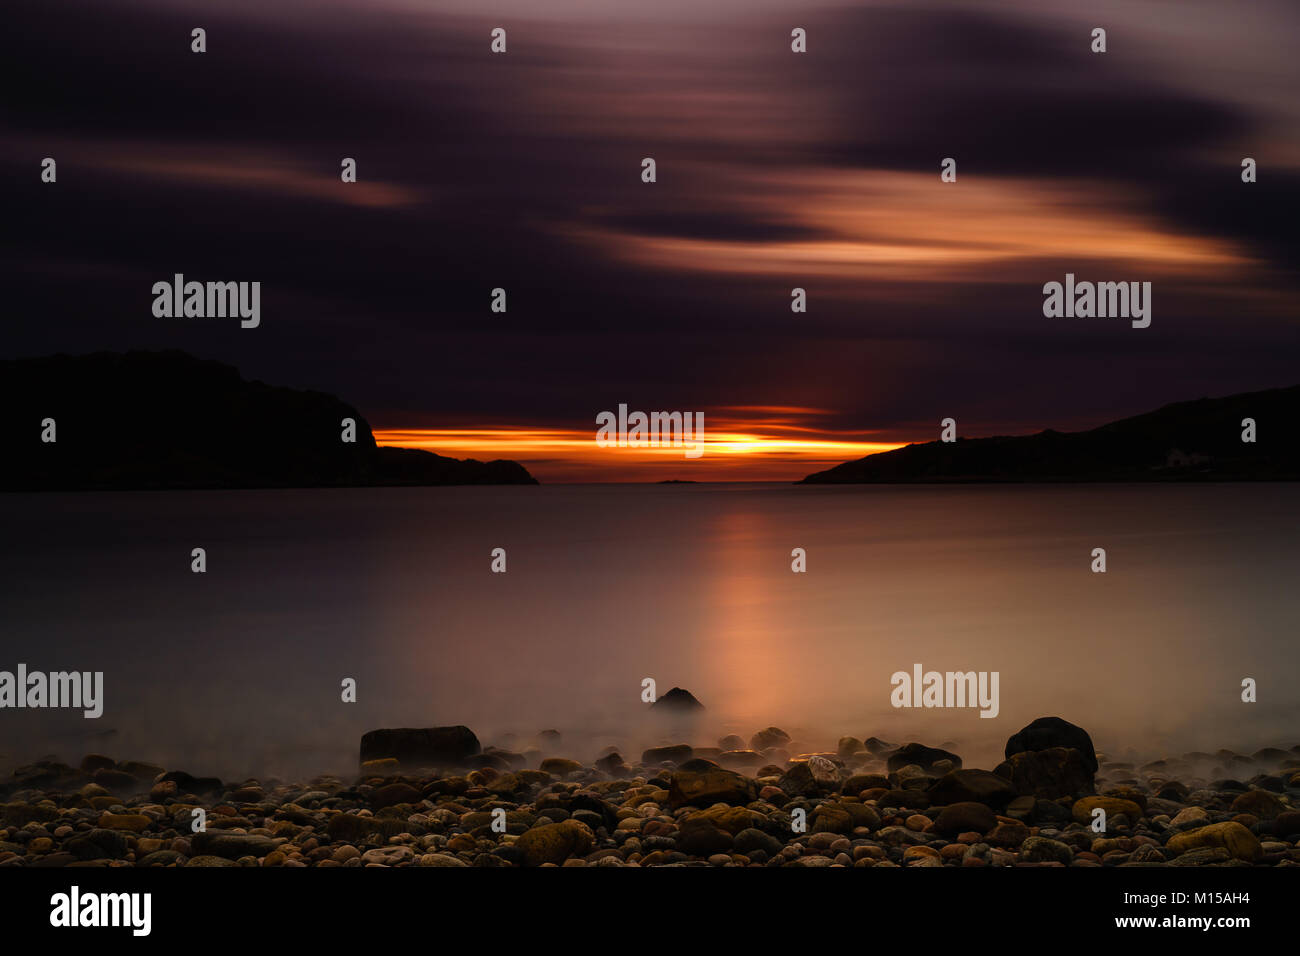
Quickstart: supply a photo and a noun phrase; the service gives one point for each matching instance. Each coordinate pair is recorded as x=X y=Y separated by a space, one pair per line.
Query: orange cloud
x=878 y=224
x=251 y=171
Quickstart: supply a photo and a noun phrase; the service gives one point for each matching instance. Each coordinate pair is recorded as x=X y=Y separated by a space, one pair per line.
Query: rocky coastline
x=435 y=797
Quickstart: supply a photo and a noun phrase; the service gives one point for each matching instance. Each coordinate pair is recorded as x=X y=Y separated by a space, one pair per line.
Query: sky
x=775 y=170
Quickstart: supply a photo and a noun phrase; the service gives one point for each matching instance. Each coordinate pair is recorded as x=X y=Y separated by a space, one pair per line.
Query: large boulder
x=1048 y=732
x=924 y=757
x=421 y=747
x=1048 y=774
x=973 y=786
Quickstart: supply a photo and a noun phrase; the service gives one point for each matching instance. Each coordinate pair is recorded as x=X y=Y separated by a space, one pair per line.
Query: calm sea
x=238 y=670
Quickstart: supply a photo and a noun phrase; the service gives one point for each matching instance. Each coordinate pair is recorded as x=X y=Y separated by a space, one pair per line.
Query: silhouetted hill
x=169 y=420
x=1197 y=440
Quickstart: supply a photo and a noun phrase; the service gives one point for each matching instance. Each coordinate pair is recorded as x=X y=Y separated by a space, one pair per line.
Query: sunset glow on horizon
x=774 y=447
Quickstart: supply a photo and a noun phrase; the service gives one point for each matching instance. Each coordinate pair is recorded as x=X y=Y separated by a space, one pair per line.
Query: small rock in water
x=559 y=766
x=612 y=764
x=677 y=701
x=92 y=762
x=677 y=753
x=848 y=746
x=771 y=737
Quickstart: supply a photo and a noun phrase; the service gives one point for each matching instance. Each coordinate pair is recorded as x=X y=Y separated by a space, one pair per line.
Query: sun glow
x=767 y=444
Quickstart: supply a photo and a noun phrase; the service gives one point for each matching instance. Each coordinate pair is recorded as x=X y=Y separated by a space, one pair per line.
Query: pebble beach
x=867 y=803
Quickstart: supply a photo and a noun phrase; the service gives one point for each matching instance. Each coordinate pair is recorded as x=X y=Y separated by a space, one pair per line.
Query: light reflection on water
x=238 y=670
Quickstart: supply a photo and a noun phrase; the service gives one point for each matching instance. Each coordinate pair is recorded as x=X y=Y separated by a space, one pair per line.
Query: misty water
x=238 y=670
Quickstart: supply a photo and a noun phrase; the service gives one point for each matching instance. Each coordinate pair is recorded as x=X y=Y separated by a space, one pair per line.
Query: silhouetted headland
x=1188 y=441
x=152 y=420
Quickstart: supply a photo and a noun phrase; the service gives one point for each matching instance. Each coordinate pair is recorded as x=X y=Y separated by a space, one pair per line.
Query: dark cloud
x=1010 y=97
